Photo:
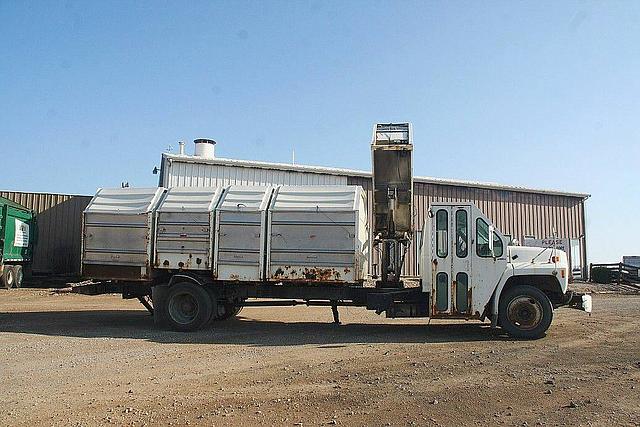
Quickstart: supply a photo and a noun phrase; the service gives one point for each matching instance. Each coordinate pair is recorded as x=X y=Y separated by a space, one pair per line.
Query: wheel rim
x=19 y=277
x=525 y=312
x=183 y=308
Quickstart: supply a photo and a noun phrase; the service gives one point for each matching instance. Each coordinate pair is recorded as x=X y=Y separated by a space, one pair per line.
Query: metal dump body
x=240 y=221
x=317 y=234
x=117 y=233
x=184 y=224
x=17 y=229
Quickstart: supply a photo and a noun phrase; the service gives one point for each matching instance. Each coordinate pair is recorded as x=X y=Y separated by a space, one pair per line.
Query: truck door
x=488 y=252
x=451 y=287
x=461 y=262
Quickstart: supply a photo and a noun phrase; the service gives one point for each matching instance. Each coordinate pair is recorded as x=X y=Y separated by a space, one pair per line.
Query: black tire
x=525 y=312
x=229 y=310
x=19 y=276
x=187 y=307
x=237 y=309
x=8 y=277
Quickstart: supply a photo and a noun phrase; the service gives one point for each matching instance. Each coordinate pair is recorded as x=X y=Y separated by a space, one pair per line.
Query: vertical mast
x=392 y=149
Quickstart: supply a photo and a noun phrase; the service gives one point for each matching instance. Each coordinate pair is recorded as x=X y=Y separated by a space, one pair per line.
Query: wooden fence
x=622 y=274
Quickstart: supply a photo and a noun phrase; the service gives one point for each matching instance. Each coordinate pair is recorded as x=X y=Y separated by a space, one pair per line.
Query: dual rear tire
x=187 y=306
x=12 y=276
x=227 y=311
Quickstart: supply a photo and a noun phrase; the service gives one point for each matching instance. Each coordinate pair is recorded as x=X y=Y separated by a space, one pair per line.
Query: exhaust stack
x=205 y=148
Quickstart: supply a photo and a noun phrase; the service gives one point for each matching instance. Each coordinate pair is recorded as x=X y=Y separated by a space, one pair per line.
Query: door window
x=442 y=247
x=482 y=241
x=461 y=234
x=462 y=292
x=442 y=291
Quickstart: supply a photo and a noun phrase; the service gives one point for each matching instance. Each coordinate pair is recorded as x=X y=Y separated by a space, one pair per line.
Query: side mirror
x=492 y=232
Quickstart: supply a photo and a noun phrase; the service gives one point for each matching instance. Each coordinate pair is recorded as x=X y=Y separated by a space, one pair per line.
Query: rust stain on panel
x=309 y=274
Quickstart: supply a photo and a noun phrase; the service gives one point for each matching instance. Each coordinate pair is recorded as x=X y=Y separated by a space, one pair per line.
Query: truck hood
x=536 y=255
x=535 y=260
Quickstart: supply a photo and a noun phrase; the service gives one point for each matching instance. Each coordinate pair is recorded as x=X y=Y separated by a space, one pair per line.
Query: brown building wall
x=59 y=225
x=513 y=212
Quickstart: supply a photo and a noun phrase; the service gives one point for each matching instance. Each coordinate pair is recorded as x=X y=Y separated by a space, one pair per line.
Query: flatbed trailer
x=404 y=302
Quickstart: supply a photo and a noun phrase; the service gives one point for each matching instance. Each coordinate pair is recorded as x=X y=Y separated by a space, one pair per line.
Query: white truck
x=196 y=255
x=473 y=273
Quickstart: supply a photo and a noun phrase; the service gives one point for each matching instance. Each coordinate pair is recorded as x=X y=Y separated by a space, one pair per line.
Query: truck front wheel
x=187 y=307
x=525 y=312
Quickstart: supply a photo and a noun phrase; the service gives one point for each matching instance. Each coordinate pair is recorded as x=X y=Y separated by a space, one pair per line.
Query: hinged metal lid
x=190 y=199
x=125 y=200
x=311 y=198
x=245 y=198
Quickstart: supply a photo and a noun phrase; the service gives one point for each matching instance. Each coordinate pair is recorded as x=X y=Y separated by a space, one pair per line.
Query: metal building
x=516 y=211
x=59 y=230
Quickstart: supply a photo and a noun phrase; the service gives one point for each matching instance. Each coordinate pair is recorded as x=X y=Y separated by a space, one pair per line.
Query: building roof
x=5 y=201
x=364 y=174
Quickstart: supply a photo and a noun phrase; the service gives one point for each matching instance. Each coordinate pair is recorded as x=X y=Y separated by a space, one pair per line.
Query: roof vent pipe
x=205 y=148
x=181 y=144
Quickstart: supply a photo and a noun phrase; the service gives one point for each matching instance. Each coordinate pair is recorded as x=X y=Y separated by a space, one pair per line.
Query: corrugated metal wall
x=188 y=174
x=513 y=212
x=59 y=222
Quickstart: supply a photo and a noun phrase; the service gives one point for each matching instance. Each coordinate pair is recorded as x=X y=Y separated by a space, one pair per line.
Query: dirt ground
x=82 y=360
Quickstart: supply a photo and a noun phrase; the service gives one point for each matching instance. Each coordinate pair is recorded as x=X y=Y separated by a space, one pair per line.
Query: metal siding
x=187 y=174
x=183 y=232
x=59 y=224
x=118 y=230
x=239 y=233
x=317 y=234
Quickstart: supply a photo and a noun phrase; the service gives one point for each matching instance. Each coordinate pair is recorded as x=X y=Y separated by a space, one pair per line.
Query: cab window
x=497 y=246
x=442 y=247
x=442 y=291
x=461 y=234
x=482 y=241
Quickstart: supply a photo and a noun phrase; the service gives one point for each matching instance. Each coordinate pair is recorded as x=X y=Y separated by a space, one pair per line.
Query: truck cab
x=472 y=272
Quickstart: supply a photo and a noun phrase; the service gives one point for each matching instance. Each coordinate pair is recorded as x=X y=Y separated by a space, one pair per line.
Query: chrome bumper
x=579 y=301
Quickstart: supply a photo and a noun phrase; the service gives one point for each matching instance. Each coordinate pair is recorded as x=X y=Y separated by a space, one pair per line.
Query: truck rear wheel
x=8 y=277
x=230 y=310
x=187 y=307
x=525 y=312
x=19 y=275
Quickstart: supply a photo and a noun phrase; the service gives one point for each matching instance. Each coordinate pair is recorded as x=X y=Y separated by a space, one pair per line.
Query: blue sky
x=539 y=94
